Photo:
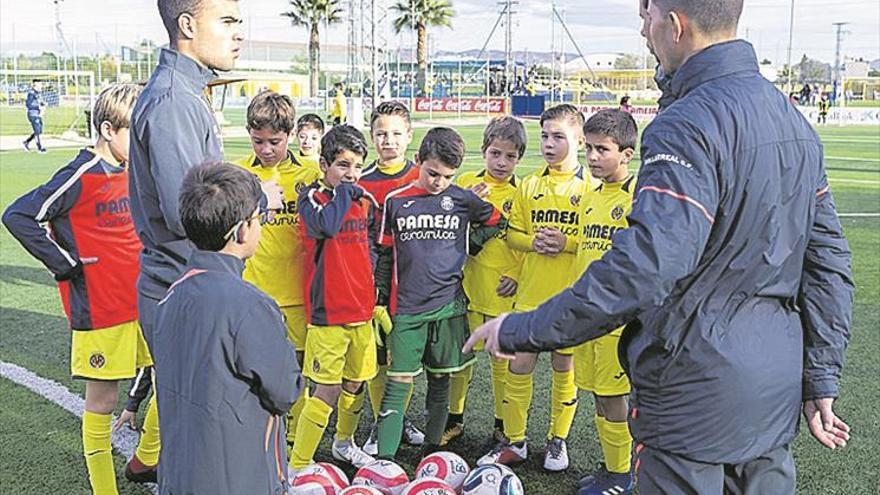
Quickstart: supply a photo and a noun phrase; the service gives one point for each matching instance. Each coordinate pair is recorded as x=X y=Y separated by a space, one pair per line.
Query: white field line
x=859 y=215
x=852 y=159
x=124 y=440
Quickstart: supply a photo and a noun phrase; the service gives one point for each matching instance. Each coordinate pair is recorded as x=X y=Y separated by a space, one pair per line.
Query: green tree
x=311 y=13
x=418 y=15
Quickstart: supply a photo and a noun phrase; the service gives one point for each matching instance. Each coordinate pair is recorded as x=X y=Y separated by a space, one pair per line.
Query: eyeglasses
x=233 y=232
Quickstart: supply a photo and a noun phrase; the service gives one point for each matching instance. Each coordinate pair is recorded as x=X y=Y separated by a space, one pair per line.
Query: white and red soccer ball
x=321 y=478
x=429 y=486
x=447 y=466
x=492 y=479
x=385 y=476
x=360 y=490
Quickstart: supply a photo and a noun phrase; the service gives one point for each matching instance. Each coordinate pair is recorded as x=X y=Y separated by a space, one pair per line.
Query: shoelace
x=555 y=449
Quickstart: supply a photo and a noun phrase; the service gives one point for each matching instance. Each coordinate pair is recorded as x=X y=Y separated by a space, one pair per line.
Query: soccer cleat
x=498 y=435
x=371 y=446
x=506 y=453
x=588 y=479
x=138 y=472
x=26 y=145
x=42 y=151
x=453 y=431
x=606 y=483
x=556 y=455
x=411 y=434
x=348 y=451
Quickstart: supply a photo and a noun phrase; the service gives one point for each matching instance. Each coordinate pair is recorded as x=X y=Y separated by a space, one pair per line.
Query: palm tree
x=311 y=13
x=418 y=15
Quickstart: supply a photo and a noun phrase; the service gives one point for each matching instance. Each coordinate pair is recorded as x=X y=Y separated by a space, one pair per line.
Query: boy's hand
x=481 y=189
x=551 y=239
x=382 y=319
x=274 y=194
x=506 y=287
x=128 y=418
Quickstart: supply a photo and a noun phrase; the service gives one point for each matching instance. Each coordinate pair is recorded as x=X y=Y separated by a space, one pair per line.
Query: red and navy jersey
x=429 y=235
x=339 y=235
x=83 y=212
x=379 y=184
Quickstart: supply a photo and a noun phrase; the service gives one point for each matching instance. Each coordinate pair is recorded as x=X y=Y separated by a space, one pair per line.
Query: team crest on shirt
x=446 y=203
x=617 y=212
x=316 y=366
x=97 y=361
x=575 y=199
x=299 y=187
x=507 y=206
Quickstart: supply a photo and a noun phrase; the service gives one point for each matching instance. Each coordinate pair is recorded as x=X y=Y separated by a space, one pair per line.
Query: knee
x=561 y=362
x=354 y=388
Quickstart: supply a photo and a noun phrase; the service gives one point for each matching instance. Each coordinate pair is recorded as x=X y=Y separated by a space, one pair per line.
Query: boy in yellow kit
x=543 y=225
x=309 y=131
x=490 y=276
x=610 y=137
x=277 y=266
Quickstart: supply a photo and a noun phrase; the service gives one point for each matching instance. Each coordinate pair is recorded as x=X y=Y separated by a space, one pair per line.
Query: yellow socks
x=348 y=407
x=293 y=415
x=376 y=387
x=563 y=403
x=518 y=395
x=98 y=452
x=459 y=382
x=616 y=446
x=309 y=430
x=149 y=444
x=499 y=376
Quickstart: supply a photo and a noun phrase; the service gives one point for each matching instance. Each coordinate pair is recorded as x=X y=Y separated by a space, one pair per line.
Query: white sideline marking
x=859 y=215
x=124 y=440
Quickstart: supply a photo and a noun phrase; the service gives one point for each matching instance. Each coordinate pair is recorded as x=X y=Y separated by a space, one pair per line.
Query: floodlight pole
x=838 y=80
x=790 y=40
x=580 y=53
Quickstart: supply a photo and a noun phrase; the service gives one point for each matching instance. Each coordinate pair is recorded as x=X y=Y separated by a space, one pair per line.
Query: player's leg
x=295 y=319
x=360 y=366
x=325 y=349
x=406 y=346
x=142 y=467
x=563 y=406
x=96 y=431
x=459 y=383
x=518 y=391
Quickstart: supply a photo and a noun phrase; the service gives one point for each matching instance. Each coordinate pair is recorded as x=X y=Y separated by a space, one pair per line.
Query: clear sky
x=599 y=26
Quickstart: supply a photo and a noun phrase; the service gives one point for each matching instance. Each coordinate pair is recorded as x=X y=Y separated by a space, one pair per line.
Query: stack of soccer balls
x=441 y=473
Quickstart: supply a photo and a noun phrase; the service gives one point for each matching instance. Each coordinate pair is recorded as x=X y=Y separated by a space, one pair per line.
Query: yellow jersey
x=311 y=161
x=277 y=266
x=604 y=213
x=546 y=198
x=339 y=106
x=483 y=271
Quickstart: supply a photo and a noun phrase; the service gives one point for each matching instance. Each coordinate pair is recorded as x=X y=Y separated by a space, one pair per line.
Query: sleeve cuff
x=820 y=389
x=509 y=336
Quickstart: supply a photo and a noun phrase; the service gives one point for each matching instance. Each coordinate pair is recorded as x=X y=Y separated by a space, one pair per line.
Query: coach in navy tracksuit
x=734 y=275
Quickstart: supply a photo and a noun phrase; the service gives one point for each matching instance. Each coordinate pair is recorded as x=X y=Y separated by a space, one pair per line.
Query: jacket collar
x=216 y=262
x=196 y=75
x=719 y=60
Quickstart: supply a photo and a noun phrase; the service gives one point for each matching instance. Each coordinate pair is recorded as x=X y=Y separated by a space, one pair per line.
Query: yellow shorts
x=110 y=353
x=597 y=367
x=475 y=319
x=336 y=353
x=295 y=319
x=568 y=351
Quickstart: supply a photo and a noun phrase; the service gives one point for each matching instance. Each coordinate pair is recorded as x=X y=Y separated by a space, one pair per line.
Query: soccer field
x=40 y=445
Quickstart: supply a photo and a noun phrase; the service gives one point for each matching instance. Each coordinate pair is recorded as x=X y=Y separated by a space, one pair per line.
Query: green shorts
x=431 y=340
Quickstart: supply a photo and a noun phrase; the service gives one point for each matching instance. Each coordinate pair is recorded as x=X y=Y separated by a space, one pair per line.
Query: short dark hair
x=271 y=110
x=564 y=111
x=505 y=128
x=342 y=138
x=620 y=126
x=710 y=16
x=170 y=11
x=390 y=108
x=442 y=144
x=310 y=119
x=215 y=197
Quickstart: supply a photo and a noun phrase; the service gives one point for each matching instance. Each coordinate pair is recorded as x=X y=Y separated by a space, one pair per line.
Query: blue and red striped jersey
x=429 y=236
x=83 y=212
x=379 y=184
x=339 y=234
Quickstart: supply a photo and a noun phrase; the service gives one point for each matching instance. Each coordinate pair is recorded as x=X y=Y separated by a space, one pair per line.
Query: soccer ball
x=318 y=479
x=447 y=466
x=360 y=490
x=386 y=476
x=429 y=486
x=492 y=479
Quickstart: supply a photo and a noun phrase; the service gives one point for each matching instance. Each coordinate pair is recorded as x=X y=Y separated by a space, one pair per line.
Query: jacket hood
x=712 y=62
x=216 y=262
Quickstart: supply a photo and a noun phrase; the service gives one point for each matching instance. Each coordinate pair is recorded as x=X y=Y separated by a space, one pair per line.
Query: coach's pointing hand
x=488 y=332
